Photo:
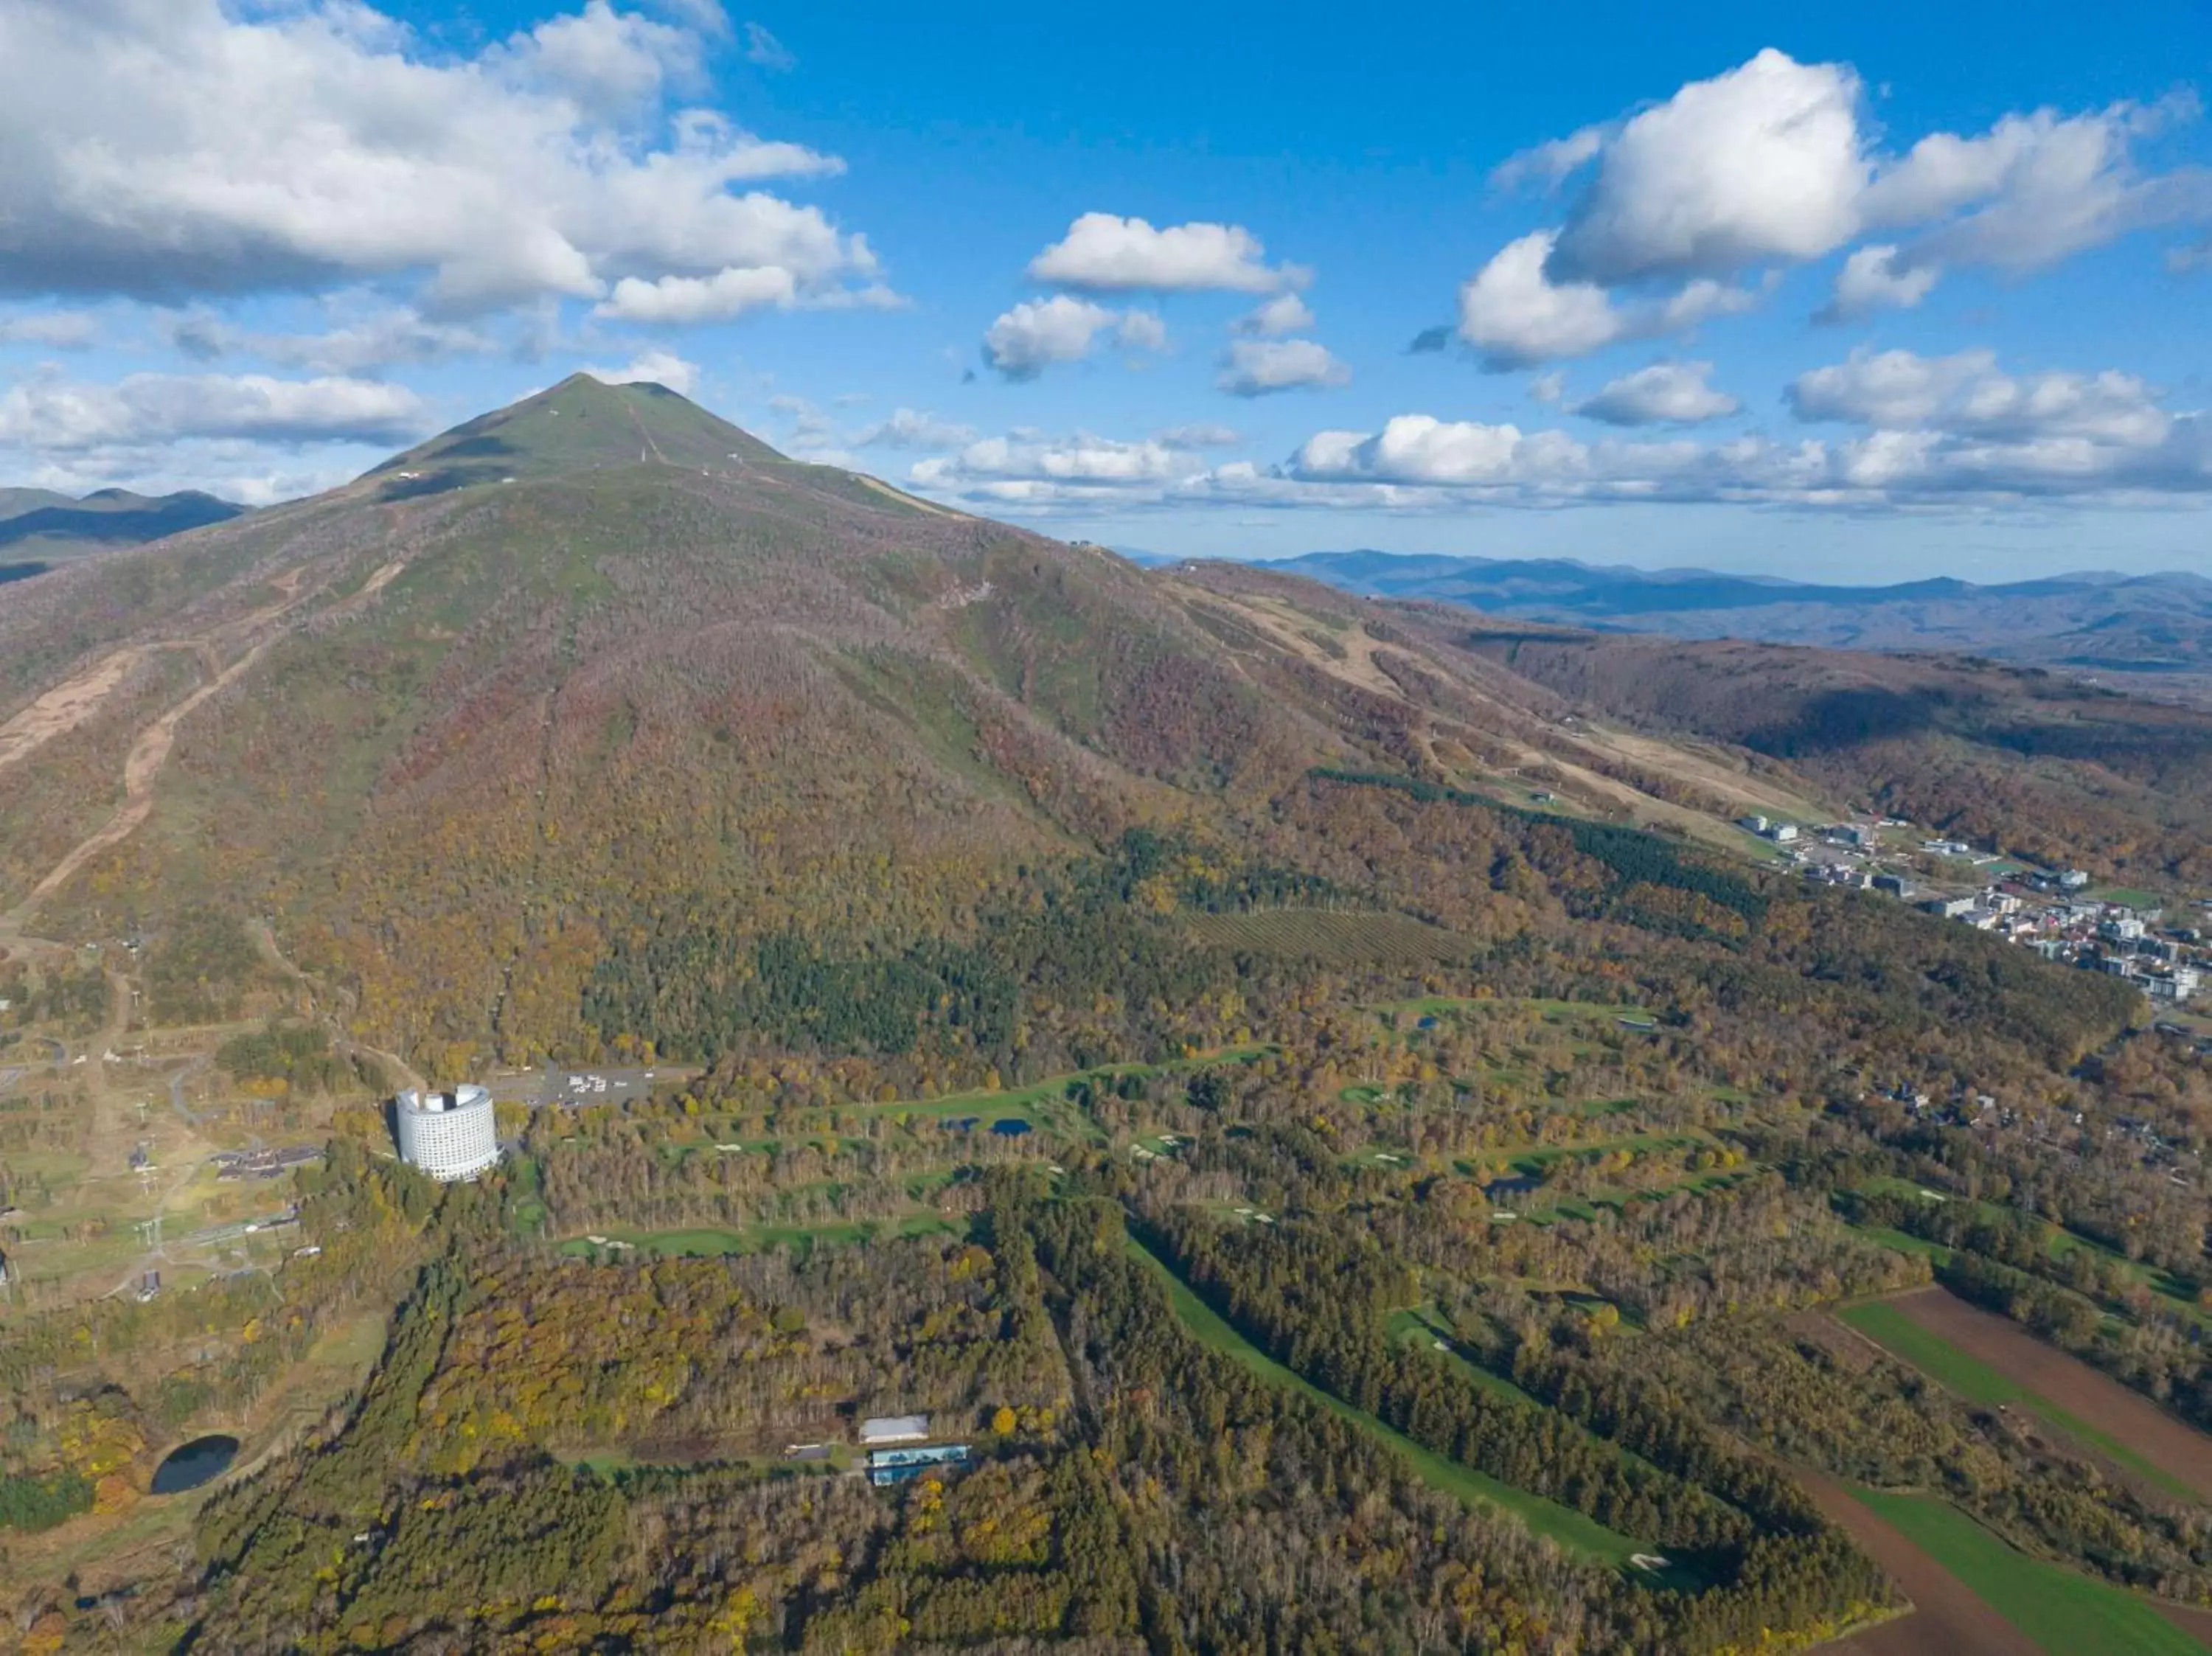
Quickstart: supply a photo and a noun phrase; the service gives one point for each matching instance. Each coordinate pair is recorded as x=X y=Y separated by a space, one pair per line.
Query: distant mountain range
x=2089 y=623
x=39 y=527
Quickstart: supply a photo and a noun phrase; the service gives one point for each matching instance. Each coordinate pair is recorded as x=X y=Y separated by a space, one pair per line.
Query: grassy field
x=1424 y=1327
x=706 y=1241
x=1903 y=1243
x=1564 y=1524
x=2061 y=1613
x=2128 y=896
x=2057 y=1242
x=1976 y=1381
x=1042 y=1104
x=1889 y=1328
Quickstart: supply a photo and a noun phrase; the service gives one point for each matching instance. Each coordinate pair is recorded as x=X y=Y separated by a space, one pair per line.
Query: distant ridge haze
x=42 y=525
x=2090 y=621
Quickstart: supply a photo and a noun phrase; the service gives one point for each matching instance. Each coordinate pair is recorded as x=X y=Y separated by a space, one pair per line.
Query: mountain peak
x=582 y=424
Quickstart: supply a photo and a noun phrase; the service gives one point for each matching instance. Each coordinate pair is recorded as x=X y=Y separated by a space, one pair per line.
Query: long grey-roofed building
x=895 y=1429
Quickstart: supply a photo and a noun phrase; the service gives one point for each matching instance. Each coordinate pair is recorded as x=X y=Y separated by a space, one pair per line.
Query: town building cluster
x=2048 y=910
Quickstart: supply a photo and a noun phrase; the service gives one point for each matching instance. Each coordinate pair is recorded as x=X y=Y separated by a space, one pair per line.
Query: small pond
x=191 y=1464
x=1012 y=1127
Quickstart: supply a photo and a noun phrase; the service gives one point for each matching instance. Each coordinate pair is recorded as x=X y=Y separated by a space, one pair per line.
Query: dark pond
x=191 y=1464
x=1519 y=1186
x=1012 y=1127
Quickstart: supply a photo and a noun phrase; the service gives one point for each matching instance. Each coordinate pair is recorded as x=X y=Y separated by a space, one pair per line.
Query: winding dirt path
x=148 y=754
x=265 y=940
x=71 y=703
x=74 y=699
x=67 y=706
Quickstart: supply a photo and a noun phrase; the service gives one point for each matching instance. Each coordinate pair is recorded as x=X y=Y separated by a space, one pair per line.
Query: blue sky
x=1865 y=294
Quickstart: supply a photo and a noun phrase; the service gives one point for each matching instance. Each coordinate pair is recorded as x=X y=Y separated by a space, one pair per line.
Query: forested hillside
x=2047 y=767
x=600 y=678
x=1345 y=1144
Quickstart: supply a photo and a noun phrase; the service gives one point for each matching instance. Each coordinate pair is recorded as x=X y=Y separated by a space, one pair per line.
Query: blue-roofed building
x=889 y=1466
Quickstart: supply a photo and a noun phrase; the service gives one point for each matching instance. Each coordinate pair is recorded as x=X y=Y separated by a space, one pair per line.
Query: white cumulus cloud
x=162 y=147
x=1516 y=315
x=1773 y=164
x=1033 y=472
x=1665 y=393
x=612 y=63
x=1253 y=368
x=2040 y=439
x=1763 y=163
x=1422 y=449
x=51 y=415
x=1039 y=332
x=1931 y=432
x=2041 y=187
x=1967 y=394
x=1877 y=277
x=656 y=368
x=717 y=298
x=1284 y=313
x=1102 y=252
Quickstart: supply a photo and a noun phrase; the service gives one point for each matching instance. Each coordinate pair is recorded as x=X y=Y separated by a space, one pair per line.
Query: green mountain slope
x=580 y=425
x=466 y=738
x=600 y=690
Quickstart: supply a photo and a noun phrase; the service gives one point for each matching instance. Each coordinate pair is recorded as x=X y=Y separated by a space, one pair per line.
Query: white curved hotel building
x=449 y=1136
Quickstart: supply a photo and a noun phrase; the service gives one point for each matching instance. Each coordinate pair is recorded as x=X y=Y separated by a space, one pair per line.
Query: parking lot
x=559 y=1086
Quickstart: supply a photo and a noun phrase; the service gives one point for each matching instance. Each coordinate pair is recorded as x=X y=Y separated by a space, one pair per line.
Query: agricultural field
x=1946 y=1617
x=1987 y=1360
x=2060 y=1613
